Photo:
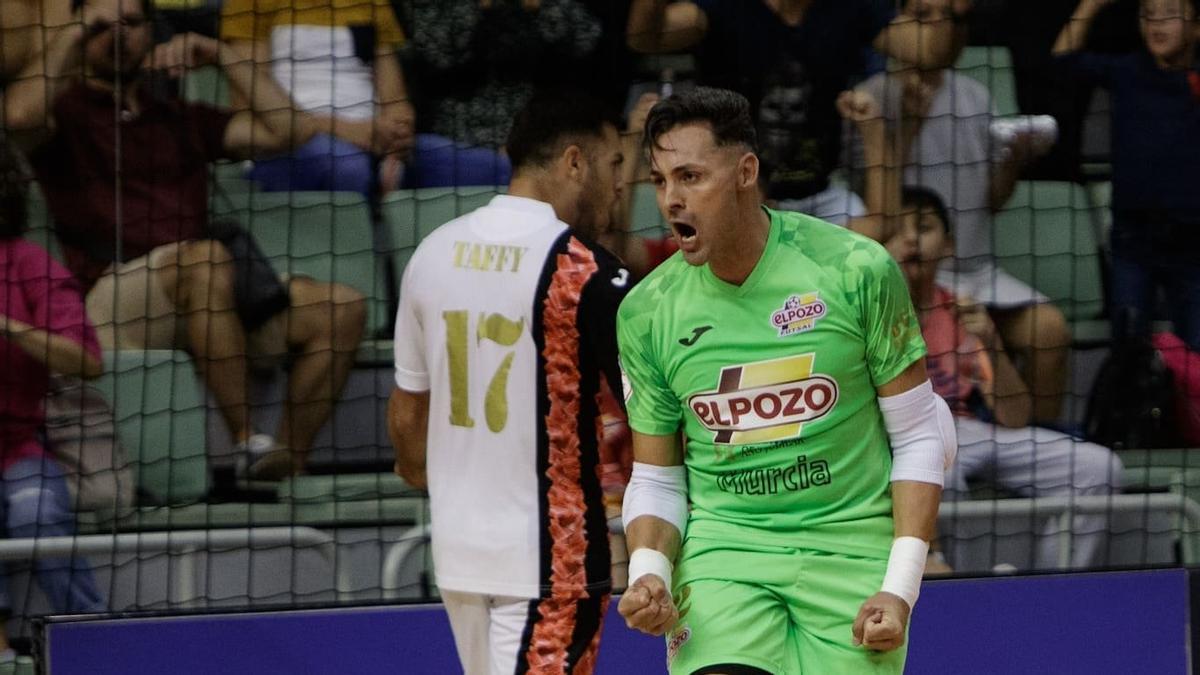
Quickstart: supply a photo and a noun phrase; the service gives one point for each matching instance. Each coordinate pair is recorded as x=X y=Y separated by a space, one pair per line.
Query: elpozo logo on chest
x=766 y=401
x=800 y=313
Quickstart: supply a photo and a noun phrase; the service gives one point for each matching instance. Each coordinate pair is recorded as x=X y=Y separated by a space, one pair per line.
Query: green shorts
x=786 y=611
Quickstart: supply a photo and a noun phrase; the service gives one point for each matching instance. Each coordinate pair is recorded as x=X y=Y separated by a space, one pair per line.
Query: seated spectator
x=339 y=65
x=969 y=367
x=475 y=63
x=942 y=120
x=792 y=58
x=139 y=240
x=43 y=331
x=1155 y=239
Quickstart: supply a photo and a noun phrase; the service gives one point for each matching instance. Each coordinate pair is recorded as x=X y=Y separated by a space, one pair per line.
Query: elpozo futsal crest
x=766 y=401
x=799 y=313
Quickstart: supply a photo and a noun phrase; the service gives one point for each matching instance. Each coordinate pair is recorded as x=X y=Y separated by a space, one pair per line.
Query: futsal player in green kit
x=789 y=536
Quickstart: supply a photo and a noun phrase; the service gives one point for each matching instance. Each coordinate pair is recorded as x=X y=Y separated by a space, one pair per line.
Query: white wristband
x=645 y=561
x=906 y=566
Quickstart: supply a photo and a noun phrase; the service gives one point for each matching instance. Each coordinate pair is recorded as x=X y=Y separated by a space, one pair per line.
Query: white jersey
x=508 y=321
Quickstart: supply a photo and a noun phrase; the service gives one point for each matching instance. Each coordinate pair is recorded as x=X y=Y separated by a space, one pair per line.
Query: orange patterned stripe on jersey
x=568 y=575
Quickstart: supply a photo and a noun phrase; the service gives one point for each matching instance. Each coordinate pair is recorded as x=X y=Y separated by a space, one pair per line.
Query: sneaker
x=260 y=458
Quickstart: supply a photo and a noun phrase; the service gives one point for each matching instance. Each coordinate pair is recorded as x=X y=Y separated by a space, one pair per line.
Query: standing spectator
x=475 y=63
x=942 y=119
x=1155 y=237
x=338 y=63
x=792 y=58
x=505 y=330
x=43 y=331
x=126 y=178
x=968 y=366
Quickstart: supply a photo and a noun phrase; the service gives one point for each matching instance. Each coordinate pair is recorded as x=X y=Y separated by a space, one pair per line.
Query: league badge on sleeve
x=800 y=313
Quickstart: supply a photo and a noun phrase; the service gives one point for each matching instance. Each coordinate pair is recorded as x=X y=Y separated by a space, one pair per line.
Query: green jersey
x=773 y=383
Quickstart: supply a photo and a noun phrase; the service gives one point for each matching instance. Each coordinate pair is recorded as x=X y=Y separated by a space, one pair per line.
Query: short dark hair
x=550 y=119
x=14 y=189
x=919 y=197
x=727 y=112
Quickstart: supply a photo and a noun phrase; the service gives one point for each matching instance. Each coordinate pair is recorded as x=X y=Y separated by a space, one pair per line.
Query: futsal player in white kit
x=505 y=328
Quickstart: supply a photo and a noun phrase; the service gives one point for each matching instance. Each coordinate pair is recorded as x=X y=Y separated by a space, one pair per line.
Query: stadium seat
x=344 y=487
x=324 y=235
x=206 y=85
x=645 y=218
x=159 y=407
x=410 y=215
x=1047 y=236
x=994 y=68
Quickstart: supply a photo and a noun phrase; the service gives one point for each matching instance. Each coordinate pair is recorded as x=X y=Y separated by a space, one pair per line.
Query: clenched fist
x=647 y=605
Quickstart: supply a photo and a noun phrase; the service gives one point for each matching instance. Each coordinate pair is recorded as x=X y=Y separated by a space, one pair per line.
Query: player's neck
x=540 y=188
x=735 y=262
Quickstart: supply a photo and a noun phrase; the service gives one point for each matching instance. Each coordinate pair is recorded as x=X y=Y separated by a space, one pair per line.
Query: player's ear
x=573 y=163
x=748 y=167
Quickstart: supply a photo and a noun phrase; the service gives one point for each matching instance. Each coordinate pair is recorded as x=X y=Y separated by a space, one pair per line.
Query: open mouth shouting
x=684 y=234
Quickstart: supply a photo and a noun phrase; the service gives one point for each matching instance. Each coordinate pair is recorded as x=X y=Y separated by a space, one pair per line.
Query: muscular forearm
x=1074 y=33
x=1003 y=183
x=267 y=101
x=60 y=354
x=915 y=508
x=653 y=532
x=883 y=158
x=408 y=422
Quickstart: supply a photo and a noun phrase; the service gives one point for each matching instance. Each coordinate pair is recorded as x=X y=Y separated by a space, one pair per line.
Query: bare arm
x=1009 y=397
x=1074 y=33
x=408 y=426
x=883 y=159
x=59 y=353
x=656 y=27
x=270 y=124
x=28 y=98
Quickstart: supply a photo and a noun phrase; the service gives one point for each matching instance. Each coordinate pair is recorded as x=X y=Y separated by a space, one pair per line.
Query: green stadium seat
x=410 y=215
x=324 y=235
x=344 y=488
x=1047 y=236
x=994 y=68
x=159 y=407
x=206 y=85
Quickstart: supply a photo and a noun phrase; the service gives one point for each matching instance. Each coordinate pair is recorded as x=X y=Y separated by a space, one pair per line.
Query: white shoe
x=260 y=458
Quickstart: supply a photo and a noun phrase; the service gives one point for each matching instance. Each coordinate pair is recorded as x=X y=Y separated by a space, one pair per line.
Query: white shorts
x=496 y=635
x=988 y=285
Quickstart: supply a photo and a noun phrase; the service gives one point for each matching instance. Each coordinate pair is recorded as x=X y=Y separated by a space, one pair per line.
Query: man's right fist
x=647 y=605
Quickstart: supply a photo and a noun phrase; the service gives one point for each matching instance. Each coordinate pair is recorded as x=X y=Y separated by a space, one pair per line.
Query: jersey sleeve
x=653 y=408
x=890 y=326
x=412 y=371
x=598 y=319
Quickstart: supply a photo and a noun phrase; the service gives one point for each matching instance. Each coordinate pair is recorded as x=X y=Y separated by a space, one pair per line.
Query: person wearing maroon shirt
x=125 y=175
x=43 y=330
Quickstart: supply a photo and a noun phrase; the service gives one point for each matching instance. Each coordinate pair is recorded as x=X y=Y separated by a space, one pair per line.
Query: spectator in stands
x=792 y=58
x=137 y=238
x=942 y=120
x=339 y=65
x=970 y=368
x=43 y=330
x=476 y=62
x=1155 y=239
